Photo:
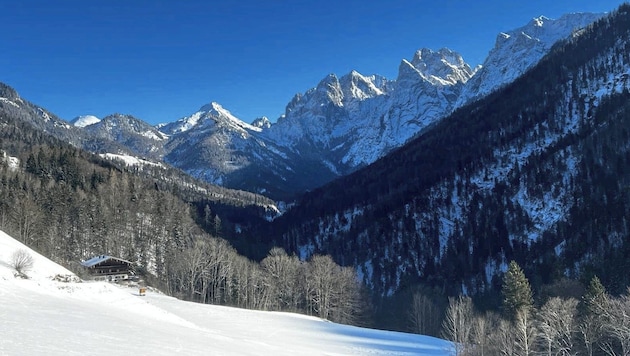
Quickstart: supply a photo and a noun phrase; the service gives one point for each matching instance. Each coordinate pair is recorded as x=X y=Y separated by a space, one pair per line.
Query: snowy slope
x=85 y=120
x=41 y=316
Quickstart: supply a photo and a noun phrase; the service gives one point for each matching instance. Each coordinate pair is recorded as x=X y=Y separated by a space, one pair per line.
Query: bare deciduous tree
x=525 y=332
x=590 y=330
x=483 y=327
x=281 y=279
x=334 y=292
x=616 y=316
x=557 y=326
x=425 y=314
x=504 y=339
x=22 y=262
x=457 y=323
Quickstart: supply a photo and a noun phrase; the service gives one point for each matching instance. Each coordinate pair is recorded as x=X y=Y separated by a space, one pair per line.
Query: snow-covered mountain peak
x=213 y=107
x=518 y=50
x=119 y=118
x=548 y=31
x=85 y=120
x=209 y=114
x=262 y=122
x=343 y=93
x=444 y=67
x=346 y=122
x=357 y=86
x=123 y=128
x=330 y=88
x=327 y=91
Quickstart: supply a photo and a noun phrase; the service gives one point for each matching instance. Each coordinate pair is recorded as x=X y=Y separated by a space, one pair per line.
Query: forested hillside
x=70 y=205
x=537 y=172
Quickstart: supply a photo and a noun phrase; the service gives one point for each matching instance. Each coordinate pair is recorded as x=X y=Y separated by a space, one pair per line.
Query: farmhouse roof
x=102 y=258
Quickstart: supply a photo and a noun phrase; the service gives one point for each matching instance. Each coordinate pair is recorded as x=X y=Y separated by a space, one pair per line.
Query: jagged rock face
x=262 y=123
x=444 y=67
x=425 y=91
x=327 y=119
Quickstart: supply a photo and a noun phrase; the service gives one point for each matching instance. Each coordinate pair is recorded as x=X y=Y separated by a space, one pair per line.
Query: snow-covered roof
x=100 y=259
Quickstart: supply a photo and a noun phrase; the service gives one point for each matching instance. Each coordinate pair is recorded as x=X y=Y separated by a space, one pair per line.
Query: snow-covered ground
x=42 y=316
x=130 y=160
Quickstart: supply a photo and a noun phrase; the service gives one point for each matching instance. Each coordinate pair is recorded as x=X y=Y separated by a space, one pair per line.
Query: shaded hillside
x=516 y=175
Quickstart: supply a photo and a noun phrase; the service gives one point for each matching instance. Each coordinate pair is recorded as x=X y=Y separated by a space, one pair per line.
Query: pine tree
x=591 y=328
x=594 y=297
x=516 y=292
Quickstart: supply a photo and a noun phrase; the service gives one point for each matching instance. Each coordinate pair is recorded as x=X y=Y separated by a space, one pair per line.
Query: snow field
x=42 y=316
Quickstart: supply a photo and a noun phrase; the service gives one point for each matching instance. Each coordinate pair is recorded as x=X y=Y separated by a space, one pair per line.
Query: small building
x=109 y=268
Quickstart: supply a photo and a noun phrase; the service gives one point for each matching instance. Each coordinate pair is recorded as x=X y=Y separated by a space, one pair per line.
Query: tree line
x=210 y=271
x=595 y=324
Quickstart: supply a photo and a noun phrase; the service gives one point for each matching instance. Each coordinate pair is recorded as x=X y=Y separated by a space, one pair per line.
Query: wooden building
x=109 y=268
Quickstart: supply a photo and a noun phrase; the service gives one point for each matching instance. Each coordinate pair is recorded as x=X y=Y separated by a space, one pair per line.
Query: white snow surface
x=5 y=100
x=42 y=316
x=12 y=162
x=130 y=160
x=85 y=120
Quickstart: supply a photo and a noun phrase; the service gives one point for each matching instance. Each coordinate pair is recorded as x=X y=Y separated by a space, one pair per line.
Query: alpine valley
x=434 y=180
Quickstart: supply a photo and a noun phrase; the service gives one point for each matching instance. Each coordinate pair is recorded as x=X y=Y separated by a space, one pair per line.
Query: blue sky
x=162 y=60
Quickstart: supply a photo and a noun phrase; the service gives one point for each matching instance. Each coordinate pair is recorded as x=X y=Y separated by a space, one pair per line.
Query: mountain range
x=342 y=124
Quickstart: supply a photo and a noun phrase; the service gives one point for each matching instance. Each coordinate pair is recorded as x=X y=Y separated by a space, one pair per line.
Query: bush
x=22 y=262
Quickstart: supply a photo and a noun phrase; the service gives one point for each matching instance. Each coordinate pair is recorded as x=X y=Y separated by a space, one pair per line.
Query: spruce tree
x=591 y=327
x=594 y=297
x=516 y=292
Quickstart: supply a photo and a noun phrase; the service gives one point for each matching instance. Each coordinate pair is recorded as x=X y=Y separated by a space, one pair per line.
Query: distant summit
x=85 y=120
x=262 y=122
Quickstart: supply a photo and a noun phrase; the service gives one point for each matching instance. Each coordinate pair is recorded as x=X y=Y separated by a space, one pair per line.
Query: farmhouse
x=109 y=268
